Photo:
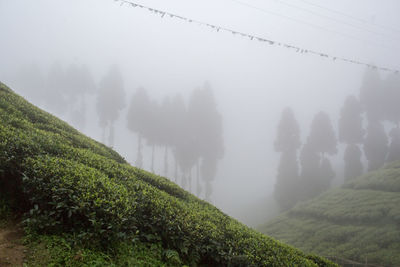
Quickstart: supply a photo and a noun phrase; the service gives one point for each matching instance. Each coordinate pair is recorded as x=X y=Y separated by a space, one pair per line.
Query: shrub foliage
x=66 y=183
x=359 y=221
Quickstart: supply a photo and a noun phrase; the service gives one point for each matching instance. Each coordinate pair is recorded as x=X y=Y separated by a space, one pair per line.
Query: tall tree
x=205 y=131
x=352 y=162
x=394 y=148
x=322 y=138
x=287 y=142
x=375 y=145
x=55 y=87
x=350 y=122
x=310 y=179
x=154 y=129
x=110 y=101
x=326 y=174
x=392 y=97
x=79 y=83
x=351 y=133
x=372 y=95
x=137 y=119
x=177 y=122
x=288 y=135
x=316 y=171
x=166 y=137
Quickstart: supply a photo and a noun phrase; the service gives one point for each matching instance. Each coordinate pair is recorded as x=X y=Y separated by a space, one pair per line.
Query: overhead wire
x=332 y=19
x=218 y=28
x=307 y=23
x=351 y=16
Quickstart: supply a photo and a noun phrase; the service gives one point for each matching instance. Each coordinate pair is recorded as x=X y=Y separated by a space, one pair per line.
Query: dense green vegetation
x=84 y=205
x=359 y=221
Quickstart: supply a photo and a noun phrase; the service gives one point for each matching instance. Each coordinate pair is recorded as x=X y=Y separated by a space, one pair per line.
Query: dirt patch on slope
x=12 y=252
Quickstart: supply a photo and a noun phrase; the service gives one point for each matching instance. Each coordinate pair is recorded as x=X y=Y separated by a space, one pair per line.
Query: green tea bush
x=358 y=221
x=71 y=184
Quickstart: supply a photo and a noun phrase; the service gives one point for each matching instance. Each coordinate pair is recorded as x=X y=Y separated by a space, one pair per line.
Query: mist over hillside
x=51 y=48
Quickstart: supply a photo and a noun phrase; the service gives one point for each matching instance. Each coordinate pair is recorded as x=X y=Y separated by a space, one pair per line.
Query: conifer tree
x=392 y=98
x=110 y=101
x=316 y=171
x=352 y=162
x=351 y=133
x=375 y=145
x=394 y=148
x=287 y=142
x=322 y=138
x=136 y=118
x=310 y=178
x=372 y=95
x=178 y=111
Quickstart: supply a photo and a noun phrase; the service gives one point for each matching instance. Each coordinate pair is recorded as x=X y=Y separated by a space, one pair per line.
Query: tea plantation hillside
x=359 y=221
x=83 y=205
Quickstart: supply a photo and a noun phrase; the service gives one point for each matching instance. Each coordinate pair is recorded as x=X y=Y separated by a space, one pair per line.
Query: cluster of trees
x=379 y=100
x=376 y=108
x=62 y=90
x=192 y=132
x=361 y=126
x=110 y=102
x=316 y=171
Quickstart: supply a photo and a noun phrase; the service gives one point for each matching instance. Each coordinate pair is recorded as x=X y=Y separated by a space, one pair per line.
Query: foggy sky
x=252 y=81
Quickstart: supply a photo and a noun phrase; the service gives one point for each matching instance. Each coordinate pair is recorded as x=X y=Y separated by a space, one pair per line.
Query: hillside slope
x=67 y=184
x=359 y=221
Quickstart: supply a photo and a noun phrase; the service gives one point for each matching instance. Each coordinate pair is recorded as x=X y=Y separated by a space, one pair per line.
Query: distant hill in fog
x=359 y=221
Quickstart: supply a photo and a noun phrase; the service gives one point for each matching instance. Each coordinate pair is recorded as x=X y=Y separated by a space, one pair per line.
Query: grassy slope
x=359 y=221
x=76 y=191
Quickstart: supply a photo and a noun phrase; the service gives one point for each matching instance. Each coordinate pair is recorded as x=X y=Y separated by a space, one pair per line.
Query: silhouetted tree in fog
x=352 y=161
x=351 y=133
x=137 y=119
x=206 y=129
x=392 y=106
x=110 y=101
x=55 y=90
x=154 y=130
x=394 y=148
x=310 y=179
x=326 y=173
x=392 y=98
x=350 y=122
x=317 y=172
x=166 y=137
x=372 y=95
x=176 y=125
x=79 y=83
x=287 y=142
x=375 y=145
x=322 y=138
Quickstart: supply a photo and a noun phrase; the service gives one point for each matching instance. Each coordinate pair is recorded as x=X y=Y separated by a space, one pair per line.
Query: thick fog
x=251 y=81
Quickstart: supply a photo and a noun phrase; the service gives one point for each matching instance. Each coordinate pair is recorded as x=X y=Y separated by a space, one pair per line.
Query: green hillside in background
x=359 y=221
x=83 y=205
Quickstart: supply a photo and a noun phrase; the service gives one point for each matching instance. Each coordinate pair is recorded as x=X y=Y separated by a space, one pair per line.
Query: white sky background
x=252 y=81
